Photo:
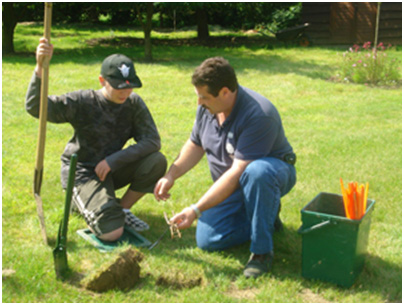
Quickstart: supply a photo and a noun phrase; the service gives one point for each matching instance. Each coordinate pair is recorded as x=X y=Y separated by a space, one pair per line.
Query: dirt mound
x=122 y=273
x=179 y=281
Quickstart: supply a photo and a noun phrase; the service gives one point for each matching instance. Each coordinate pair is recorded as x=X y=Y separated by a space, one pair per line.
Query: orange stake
x=360 y=192
x=365 y=198
x=354 y=199
x=356 y=204
x=345 y=199
x=351 y=206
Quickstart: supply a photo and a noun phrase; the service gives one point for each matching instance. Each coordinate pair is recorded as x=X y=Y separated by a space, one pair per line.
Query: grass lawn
x=337 y=130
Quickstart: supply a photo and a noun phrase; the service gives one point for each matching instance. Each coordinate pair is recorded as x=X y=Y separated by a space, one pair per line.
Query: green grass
x=338 y=130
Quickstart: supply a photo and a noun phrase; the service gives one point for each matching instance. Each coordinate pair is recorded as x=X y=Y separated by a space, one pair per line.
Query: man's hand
x=102 y=169
x=185 y=218
x=44 y=50
x=162 y=187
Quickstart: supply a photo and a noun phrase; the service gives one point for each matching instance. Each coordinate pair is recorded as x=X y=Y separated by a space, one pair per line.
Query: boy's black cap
x=120 y=72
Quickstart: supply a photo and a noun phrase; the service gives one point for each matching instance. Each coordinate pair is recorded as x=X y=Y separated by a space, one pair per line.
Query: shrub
x=367 y=65
x=282 y=18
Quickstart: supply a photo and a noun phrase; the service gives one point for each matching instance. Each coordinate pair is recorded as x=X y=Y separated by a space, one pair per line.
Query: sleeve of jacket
x=61 y=109
x=145 y=134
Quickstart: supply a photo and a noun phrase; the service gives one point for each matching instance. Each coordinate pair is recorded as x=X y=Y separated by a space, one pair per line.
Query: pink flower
x=381 y=46
x=354 y=65
x=359 y=61
x=367 y=45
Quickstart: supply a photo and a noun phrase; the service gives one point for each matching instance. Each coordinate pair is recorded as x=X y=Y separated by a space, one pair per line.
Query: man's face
x=207 y=100
x=117 y=96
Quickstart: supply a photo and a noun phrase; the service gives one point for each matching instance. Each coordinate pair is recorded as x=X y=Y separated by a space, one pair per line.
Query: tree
x=18 y=12
x=202 y=23
x=12 y=13
x=9 y=24
x=147 y=27
x=185 y=14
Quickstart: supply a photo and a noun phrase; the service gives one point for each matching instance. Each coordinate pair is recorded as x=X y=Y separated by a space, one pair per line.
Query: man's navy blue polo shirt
x=252 y=131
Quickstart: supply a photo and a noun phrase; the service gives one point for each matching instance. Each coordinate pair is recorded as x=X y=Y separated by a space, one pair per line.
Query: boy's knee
x=112 y=236
x=107 y=221
x=161 y=163
x=154 y=165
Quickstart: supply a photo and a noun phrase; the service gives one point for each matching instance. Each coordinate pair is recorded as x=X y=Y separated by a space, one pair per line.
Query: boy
x=103 y=121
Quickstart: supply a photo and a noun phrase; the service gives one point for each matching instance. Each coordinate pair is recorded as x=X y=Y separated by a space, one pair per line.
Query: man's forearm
x=223 y=187
x=189 y=156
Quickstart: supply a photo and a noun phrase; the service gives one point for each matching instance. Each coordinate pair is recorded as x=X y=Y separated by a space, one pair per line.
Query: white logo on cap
x=124 y=70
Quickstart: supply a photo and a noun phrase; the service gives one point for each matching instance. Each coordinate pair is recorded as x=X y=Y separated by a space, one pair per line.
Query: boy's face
x=117 y=96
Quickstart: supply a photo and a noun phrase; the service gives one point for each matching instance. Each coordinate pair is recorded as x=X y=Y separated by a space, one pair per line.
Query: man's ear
x=224 y=92
x=102 y=80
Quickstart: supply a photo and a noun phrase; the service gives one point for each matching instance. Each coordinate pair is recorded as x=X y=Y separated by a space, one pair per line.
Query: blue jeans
x=250 y=212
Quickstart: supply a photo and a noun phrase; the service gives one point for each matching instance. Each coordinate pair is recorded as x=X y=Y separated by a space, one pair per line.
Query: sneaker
x=134 y=222
x=258 y=264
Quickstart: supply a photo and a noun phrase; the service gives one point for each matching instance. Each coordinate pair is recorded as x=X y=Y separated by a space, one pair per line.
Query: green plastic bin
x=333 y=246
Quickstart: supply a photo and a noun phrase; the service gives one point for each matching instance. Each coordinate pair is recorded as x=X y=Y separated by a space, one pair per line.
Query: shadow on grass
x=188 y=53
x=378 y=276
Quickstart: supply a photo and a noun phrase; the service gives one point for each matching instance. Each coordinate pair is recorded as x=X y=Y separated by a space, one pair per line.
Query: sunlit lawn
x=337 y=130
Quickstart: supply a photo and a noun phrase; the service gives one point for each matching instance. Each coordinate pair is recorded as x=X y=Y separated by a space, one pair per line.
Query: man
x=250 y=160
x=103 y=121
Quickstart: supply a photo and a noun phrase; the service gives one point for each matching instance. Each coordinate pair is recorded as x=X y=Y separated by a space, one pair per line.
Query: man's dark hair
x=216 y=73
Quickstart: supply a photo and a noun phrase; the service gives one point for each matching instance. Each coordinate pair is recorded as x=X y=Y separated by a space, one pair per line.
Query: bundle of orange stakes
x=355 y=198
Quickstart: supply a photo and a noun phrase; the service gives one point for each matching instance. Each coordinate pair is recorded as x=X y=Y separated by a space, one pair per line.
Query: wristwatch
x=196 y=210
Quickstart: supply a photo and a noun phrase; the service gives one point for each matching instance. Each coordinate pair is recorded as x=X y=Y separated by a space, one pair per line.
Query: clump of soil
x=179 y=281
x=122 y=273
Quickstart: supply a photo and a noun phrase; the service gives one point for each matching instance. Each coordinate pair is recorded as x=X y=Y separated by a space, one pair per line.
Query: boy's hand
x=44 y=50
x=102 y=169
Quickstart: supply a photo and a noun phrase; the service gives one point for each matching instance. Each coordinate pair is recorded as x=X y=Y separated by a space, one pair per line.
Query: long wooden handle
x=43 y=109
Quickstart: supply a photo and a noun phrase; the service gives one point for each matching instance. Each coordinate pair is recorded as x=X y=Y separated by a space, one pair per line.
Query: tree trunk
x=147 y=32
x=9 y=24
x=147 y=27
x=202 y=24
